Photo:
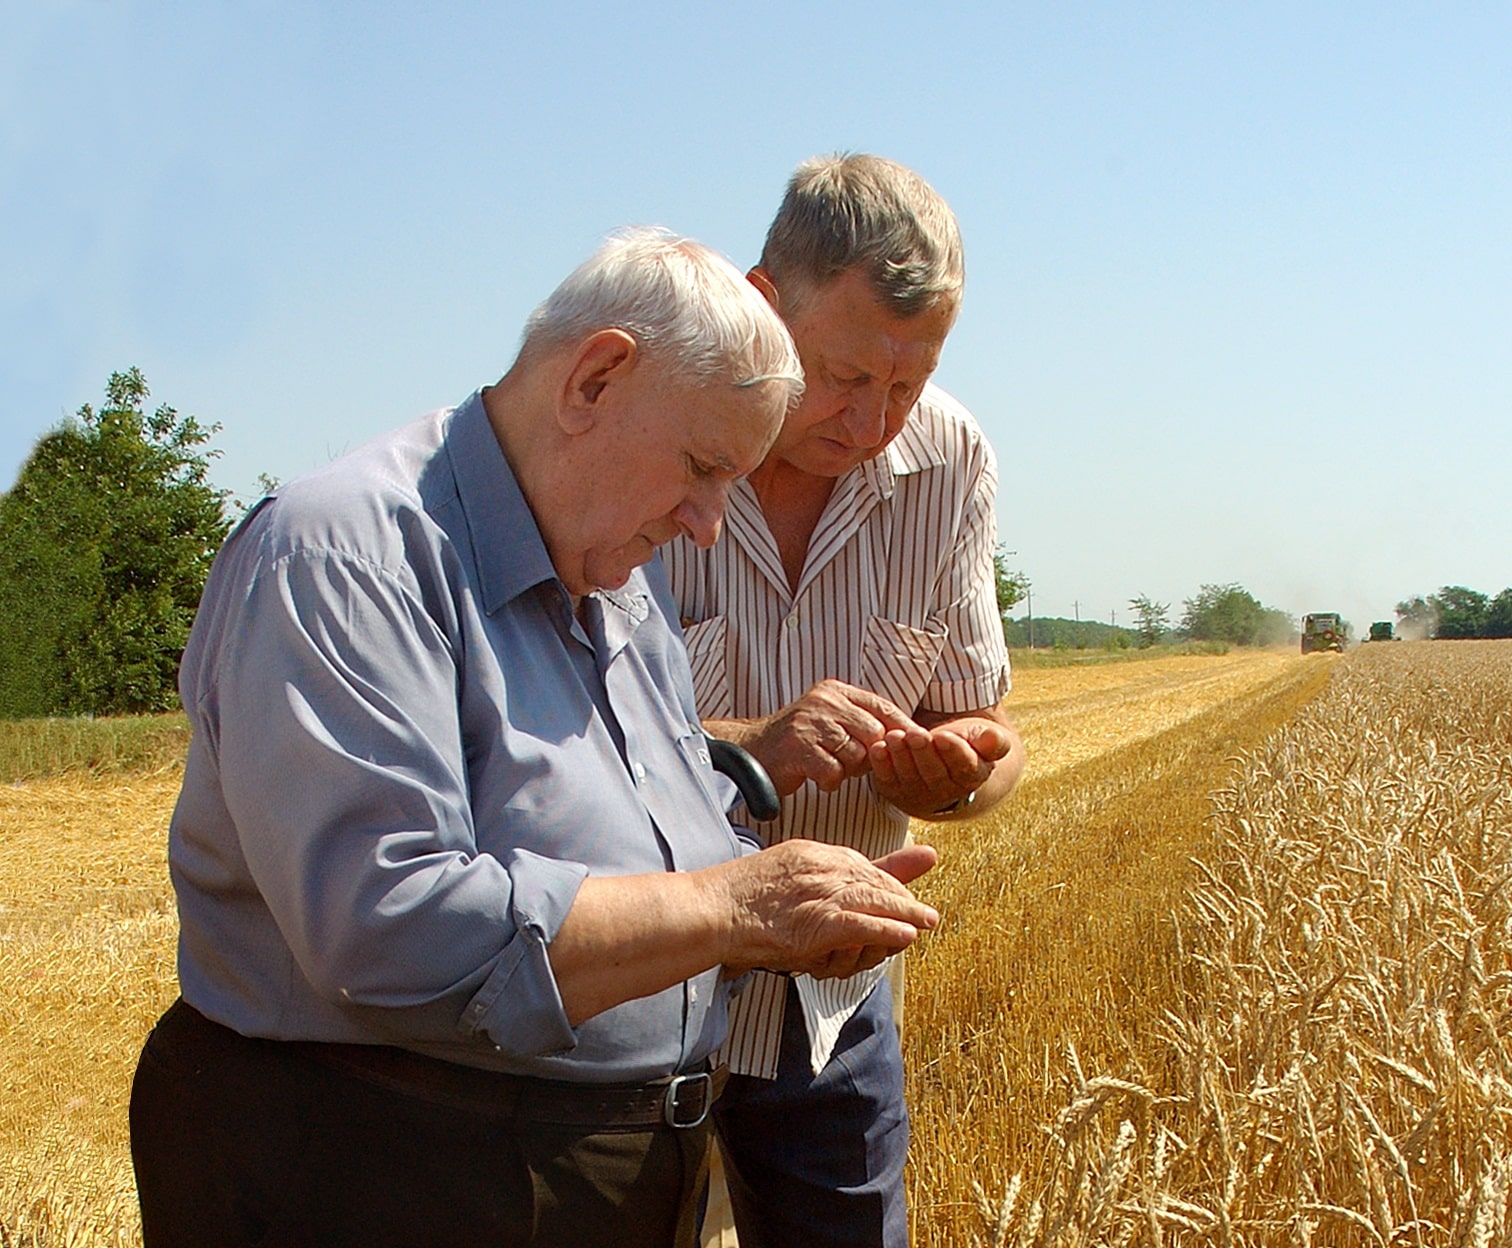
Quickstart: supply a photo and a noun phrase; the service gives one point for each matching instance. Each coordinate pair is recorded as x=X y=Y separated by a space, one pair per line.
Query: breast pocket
x=707 y=646
x=898 y=660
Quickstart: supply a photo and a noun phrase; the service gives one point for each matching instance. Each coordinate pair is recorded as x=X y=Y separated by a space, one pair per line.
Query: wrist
x=958 y=807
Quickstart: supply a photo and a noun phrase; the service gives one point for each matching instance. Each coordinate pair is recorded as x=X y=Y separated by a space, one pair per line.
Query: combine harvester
x=1323 y=630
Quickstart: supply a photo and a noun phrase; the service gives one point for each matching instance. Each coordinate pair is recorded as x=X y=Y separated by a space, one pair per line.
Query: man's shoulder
x=941 y=433
x=940 y=410
x=361 y=503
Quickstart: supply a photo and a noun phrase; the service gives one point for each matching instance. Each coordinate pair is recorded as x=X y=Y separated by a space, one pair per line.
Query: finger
x=885 y=931
x=852 y=960
x=853 y=756
x=898 y=756
x=893 y=911
x=872 y=956
x=905 y=767
x=990 y=741
x=963 y=765
x=830 y=709
x=917 y=763
x=909 y=863
x=822 y=767
x=886 y=714
x=841 y=963
x=817 y=955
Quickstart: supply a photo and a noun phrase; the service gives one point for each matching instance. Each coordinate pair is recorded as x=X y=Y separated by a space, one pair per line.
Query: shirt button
x=640 y=772
x=792 y=620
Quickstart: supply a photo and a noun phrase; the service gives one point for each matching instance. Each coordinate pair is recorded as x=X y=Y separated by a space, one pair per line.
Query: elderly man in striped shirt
x=846 y=632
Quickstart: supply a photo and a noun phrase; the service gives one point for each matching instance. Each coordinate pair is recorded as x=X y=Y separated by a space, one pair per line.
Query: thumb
x=891 y=715
x=909 y=863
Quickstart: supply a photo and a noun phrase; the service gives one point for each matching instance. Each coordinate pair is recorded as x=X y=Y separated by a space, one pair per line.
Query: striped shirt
x=897 y=595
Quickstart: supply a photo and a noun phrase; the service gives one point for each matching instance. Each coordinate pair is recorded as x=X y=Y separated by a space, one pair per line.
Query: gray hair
x=853 y=211
x=688 y=308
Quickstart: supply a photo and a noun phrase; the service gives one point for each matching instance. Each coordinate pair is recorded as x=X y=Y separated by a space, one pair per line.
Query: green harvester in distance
x=1381 y=630
x=1322 y=630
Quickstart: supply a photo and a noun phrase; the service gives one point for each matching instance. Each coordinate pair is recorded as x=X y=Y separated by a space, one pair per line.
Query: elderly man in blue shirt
x=459 y=903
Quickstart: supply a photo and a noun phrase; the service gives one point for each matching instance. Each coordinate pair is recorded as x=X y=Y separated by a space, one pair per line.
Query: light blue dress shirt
x=408 y=754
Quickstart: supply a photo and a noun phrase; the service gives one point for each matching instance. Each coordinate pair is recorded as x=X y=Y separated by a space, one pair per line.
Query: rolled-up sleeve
x=519 y=1002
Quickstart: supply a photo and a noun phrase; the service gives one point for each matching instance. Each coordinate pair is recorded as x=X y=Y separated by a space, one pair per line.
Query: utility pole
x=1076 y=607
x=1029 y=598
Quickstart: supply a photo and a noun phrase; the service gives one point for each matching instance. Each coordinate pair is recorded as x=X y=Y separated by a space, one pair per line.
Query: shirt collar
x=913 y=450
x=508 y=549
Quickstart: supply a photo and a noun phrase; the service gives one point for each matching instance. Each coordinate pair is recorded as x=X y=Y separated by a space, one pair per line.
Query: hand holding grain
x=822 y=909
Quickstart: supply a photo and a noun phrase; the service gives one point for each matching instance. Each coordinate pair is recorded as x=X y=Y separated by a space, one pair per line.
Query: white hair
x=687 y=307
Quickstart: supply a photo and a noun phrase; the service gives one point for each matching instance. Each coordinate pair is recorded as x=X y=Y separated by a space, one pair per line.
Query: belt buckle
x=685 y=1094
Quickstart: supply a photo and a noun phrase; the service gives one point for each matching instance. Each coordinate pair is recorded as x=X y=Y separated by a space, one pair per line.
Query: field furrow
x=1056 y=910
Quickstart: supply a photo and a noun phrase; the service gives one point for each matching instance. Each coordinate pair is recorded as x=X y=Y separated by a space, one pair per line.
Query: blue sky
x=1239 y=296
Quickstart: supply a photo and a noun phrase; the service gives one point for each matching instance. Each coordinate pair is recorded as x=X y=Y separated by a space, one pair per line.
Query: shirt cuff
x=960 y=696
x=518 y=1006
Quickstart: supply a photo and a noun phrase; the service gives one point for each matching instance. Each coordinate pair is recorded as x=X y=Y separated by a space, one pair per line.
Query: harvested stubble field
x=1152 y=1015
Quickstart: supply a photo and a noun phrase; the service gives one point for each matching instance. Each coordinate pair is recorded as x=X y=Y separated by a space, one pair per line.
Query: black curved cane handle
x=750 y=778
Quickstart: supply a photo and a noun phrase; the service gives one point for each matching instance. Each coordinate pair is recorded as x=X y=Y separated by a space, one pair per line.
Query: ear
x=604 y=357
x=762 y=280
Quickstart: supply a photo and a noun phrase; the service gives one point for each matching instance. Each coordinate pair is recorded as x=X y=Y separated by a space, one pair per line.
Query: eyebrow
x=715 y=459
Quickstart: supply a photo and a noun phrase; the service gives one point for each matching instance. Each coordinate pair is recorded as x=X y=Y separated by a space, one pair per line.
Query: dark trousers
x=816 y=1161
x=241 y=1142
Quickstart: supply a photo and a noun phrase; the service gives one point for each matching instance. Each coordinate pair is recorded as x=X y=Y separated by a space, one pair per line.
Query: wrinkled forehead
x=847 y=317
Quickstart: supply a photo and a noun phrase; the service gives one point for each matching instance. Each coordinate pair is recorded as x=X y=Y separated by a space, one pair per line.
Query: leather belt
x=681 y=1101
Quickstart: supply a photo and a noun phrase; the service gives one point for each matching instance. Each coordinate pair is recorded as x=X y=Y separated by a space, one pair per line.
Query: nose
x=866 y=417
x=701 y=514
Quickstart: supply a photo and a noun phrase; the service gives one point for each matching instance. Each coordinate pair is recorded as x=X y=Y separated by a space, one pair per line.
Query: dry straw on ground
x=1318 y=1062
x=86 y=964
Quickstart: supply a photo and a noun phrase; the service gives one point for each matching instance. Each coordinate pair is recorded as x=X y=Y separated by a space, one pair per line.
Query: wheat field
x=1230 y=967
x=1243 y=982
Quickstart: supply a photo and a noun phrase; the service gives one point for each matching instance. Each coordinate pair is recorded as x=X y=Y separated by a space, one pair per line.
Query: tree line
x=1227 y=614
x=1456 y=613
x=108 y=534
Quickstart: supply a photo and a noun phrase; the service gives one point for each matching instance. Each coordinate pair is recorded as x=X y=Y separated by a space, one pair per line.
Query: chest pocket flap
x=898 y=660
x=706 y=642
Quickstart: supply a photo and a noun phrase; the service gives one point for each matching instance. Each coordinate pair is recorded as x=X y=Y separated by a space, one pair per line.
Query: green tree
x=1150 y=619
x=105 y=542
x=1461 y=612
x=1012 y=587
x=1499 y=616
x=1231 y=613
x=1062 y=634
